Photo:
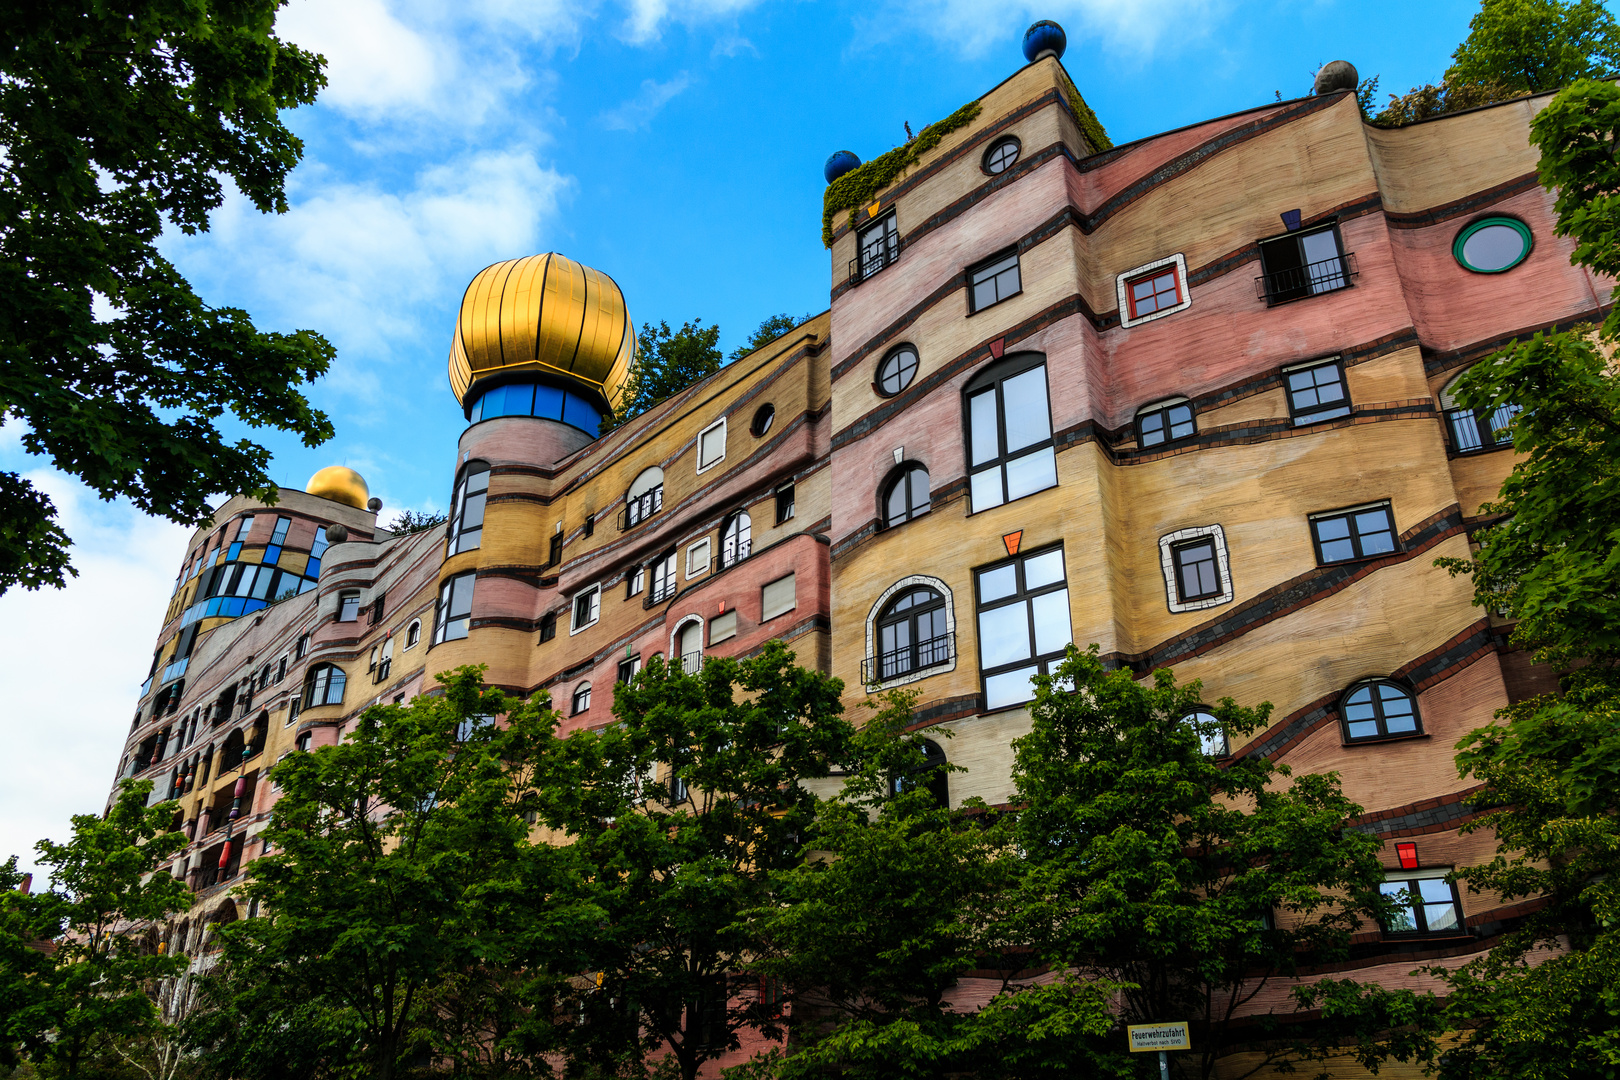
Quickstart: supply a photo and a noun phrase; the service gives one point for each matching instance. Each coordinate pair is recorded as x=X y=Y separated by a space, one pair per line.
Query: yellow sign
x=1151 y=1037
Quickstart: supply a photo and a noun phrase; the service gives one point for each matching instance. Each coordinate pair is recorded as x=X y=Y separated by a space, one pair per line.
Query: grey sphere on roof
x=374 y=505
x=1336 y=75
x=337 y=534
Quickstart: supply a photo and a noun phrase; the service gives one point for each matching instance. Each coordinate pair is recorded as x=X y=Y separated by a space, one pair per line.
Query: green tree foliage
x=769 y=330
x=68 y=1010
x=400 y=870
x=899 y=897
x=1190 y=883
x=411 y=521
x=1544 y=1002
x=680 y=813
x=667 y=362
x=1452 y=95
x=1530 y=46
x=117 y=120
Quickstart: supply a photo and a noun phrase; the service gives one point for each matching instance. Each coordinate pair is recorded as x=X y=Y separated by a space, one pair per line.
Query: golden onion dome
x=546 y=314
x=340 y=484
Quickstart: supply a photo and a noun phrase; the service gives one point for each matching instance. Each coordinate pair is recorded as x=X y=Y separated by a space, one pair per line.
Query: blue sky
x=675 y=144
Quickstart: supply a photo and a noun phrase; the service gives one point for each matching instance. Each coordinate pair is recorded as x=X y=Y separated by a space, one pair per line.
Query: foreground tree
x=71 y=1009
x=1190 y=883
x=680 y=813
x=119 y=120
x=667 y=362
x=400 y=862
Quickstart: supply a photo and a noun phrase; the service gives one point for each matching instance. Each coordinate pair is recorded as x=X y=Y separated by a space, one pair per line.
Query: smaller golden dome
x=340 y=484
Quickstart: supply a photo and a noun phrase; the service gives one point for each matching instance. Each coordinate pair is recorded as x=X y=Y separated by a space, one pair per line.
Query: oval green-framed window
x=1492 y=245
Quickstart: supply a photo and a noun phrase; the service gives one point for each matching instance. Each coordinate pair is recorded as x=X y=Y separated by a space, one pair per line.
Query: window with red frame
x=1153 y=292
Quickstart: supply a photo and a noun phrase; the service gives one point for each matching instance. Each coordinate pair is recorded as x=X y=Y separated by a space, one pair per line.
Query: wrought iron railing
x=875 y=257
x=660 y=589
x=641 y=508
x=1311 y=279
x=733 y=553
x=912 y=658
x=691 y=661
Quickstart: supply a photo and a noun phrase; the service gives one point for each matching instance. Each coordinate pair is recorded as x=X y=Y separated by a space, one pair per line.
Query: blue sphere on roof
x=1045 y=38
x=841 y=162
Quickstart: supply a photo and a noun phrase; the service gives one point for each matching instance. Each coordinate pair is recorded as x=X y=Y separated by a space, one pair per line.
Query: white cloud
x=73 y=660
x=639 y=110
x=1131 y=26
x=647 y=17
x=374 y=61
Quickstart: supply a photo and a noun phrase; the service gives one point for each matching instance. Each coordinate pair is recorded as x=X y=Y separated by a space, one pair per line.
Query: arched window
x=1211 y=734
x=911 y=634
x=324 y=686
x=689 y=644
x=582 y=698
x=1476 y=429
x=1009 y=432
x=467 y=509
x=386 y=662
x=413 y=634
x=1378 y=709
x=645 y=497
x=1165 y=421
x=736 y=538
x=905 y=494
x=930 y=774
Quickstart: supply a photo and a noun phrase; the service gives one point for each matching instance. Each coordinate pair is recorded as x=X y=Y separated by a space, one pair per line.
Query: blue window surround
x=537 y=399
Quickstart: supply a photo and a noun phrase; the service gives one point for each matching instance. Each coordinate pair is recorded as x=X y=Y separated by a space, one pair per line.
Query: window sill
x=1361 y=559
x=1403 y=737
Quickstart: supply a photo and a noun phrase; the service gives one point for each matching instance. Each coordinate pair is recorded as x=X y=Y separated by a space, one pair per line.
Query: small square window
x=1361 y=532
x=711 y=445
x=1152 y=290
x=994 y=281
x=879 y=245
x=777 y=598
x=1196 y=574
x=1316 y=392
x=349 y=607
x=1164 y=423
x=697 y=559
x=587 y=606
x=784 y=503
x=1428 y=905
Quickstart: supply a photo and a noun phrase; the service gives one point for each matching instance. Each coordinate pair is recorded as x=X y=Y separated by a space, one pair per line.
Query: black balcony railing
x=641 y=508
x=876 y=254
x=660 y=589
x=912 y=658
x=1310 y=279
x=733 y=552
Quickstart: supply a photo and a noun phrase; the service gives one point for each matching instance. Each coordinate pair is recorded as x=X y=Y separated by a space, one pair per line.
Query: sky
x=676 y=145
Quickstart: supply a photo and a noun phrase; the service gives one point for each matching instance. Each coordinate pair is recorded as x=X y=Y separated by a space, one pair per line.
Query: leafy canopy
x=769 y=330
x=119 y=119
x=1530 y=46
x=667 y=362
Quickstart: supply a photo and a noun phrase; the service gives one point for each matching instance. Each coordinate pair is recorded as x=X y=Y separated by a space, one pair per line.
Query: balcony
x=1309 y=279
x=641 y=508
x=908 y=660
x=690 y=662
x=735 y=551
x=876 y=255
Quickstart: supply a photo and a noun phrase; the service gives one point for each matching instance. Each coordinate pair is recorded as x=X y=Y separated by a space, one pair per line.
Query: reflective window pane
x=1051 y=615
x=1033 y=472
x=1009 y=688
x=1044 y=569
x=998 y=583
x=1024 y=400
x=1003 y=635
x=986 y=488
x=982 y=430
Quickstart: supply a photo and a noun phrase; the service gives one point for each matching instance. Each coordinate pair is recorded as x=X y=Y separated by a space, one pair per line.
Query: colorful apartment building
x=1186 y=399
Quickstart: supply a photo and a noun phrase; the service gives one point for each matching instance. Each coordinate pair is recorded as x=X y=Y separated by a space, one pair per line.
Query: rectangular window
x=465 y=530
x=722 y=627
x=628 y=668
x=1361 y=532
x=634 y=582
x=1316 y=392
x=1010 y=448
x=880 y=245
x=1303 y=264
x=993 y=282
x=376 y=611
x=784 y=503
x=1428 y=904
x=548 y=626
x=663 y=579
x=1165 y=423
x=587 y=606
x=697 y=559
x=590 y=524
x=281 y=669
x=278 y=536
x=1023 y=613
x=241 y=534
x=1153 y=292
x=1196 y=575
x=554 y=557
x=348 y=607
x=777 y=598
x=711 y=445
x=453 y=611
x=1481 y=429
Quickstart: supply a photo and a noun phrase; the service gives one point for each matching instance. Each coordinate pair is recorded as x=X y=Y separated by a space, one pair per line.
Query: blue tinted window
x=548 y=402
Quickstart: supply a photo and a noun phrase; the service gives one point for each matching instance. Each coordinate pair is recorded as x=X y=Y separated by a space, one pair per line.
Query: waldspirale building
x=1185 y=398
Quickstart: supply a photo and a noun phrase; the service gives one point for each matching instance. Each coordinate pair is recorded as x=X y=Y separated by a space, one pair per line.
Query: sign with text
x=1150 y=1037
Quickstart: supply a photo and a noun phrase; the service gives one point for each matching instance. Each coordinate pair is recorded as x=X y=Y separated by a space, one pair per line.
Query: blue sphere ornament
x=841 y=162
x=1043 y=38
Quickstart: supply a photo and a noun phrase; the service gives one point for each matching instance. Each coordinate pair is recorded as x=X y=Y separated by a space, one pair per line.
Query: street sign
x=1146 y=1038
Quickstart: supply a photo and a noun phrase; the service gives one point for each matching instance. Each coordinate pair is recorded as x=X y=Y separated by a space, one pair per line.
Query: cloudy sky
x=675 y=144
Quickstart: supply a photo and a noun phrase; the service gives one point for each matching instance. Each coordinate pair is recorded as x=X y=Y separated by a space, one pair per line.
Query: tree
x=1191 y=883
x=1530 y=46
x=118 y=120
x=410 y=521
x=400 y=860
x=899 y=897
x=680 y=813
x=667 y=362
x=769 y=330
x=104 y=888
x=1454 y=94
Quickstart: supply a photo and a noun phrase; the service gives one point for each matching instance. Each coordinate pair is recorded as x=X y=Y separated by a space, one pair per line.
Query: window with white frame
x=662 y=584
x=1153 y=290
x=587 y=608
x=711 y=445
x=697 y=558
x=1197 y=572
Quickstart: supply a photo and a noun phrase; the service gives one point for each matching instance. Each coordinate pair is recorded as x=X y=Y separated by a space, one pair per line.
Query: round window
x=897 y=371
x=1492 y=245
x=1002 y=156
x=763 y=419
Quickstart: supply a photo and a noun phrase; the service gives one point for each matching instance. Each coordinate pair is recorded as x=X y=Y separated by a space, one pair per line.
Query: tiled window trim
x=1180 y=262
x=910 y=582
x=1222 y=566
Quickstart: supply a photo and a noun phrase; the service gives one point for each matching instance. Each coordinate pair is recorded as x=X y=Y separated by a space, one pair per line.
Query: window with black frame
x=645 y=497
x=1211 y=733
x=1473 y=430
x=1023 y=613
x=896 y=370
x=1360 y=532
x=879 y=245
x=1379 y=709
x=1198 y=575
x=452 y=612
x=911 y=634
x=1427 y=904
x=582 y=698
x=905 y=495
x=994 y=281
x=661 y=580
x=324 y=686
x=348 y=607
x=1303 y=264
x=1316 y=392
x=1168 y=421
x=736 y=538
x=784 y=503
x=930 y=774
x=1009 y=433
